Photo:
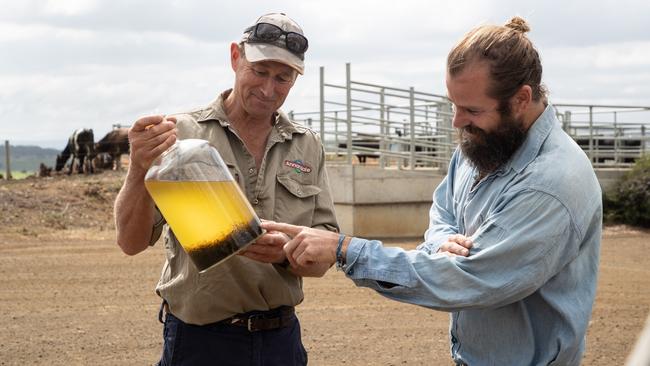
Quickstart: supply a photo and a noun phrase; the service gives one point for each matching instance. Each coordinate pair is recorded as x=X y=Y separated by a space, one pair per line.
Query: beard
x=487 y=151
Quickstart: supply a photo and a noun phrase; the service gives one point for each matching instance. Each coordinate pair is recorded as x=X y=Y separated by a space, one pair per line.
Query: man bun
x=518 y=24
x=513 y=60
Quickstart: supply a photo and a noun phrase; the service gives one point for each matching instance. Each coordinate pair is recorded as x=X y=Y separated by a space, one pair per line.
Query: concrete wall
x=608 y=177
x=379 y=203
x=394 y=220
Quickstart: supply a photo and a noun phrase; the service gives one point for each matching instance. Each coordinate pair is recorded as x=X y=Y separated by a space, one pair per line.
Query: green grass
x=19 y=174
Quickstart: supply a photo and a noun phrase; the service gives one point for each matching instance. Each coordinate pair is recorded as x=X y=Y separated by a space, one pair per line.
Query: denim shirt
x=524 y=294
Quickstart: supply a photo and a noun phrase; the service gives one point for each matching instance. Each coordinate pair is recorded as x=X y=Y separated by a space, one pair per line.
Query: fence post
x=383 y=131
x=322 y=104
x=348 y=103
x=412 y=131
x=7 y=160
x=397 y=143
x=566 y=124
x=448 y=130
x=617 y=144
x=644 y=144
x=591 y=133
x=336 y=131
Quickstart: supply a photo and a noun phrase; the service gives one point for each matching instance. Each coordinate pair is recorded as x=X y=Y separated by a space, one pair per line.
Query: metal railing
x=610 y=135
x=397 y=127
x=407 y=128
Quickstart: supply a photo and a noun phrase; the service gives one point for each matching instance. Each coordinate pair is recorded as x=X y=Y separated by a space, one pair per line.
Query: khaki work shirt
x=291 y=186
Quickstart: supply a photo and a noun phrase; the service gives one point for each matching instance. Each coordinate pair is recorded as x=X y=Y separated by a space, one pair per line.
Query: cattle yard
x=70 y=297
x=407 y=128
x=81 y=154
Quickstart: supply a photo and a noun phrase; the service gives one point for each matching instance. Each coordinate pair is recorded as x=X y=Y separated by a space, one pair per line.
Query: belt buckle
x=249 y=322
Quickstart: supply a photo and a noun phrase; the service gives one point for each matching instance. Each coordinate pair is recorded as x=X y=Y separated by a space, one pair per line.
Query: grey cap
x=276 y=51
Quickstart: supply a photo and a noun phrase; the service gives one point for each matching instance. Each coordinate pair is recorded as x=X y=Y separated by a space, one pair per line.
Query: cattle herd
x=86 y=156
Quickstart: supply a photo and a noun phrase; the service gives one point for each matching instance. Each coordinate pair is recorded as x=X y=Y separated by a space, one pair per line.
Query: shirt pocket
x=295 y=201
x=472 y=224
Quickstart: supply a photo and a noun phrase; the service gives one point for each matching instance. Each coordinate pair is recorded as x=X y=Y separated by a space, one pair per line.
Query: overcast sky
x=66 y=64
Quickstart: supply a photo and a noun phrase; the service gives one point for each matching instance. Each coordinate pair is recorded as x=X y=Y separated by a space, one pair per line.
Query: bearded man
x=520 y=203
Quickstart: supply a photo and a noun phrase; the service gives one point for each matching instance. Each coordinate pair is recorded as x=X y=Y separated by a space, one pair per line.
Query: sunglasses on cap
x=269 y=33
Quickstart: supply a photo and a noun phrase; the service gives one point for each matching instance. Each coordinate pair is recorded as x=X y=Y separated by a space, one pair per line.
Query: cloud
x=69 y=7
x=99 y=96
x=72 y=63
x=599 y=74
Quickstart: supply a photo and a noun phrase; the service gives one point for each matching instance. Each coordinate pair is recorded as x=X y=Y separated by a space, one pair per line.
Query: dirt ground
x=68 y=296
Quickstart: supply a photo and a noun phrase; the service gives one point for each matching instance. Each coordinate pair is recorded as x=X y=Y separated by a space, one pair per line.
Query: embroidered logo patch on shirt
x=298 y=166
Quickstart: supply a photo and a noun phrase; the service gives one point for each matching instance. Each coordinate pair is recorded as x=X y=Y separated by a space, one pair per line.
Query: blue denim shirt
x=524 y=294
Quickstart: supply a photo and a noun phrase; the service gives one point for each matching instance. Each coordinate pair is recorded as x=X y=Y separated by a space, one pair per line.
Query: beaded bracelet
x=339 y=255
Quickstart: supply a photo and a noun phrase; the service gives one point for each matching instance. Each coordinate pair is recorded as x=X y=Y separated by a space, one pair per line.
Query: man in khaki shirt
x=242 y=311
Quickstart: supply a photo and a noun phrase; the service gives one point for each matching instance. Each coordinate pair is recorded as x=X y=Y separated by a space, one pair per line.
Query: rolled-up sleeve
x=158 y=224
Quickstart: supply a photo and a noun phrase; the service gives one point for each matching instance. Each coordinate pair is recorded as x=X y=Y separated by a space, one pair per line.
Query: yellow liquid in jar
x=211 y=220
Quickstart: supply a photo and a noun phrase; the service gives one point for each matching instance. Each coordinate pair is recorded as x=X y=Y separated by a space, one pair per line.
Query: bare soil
x=68 y=296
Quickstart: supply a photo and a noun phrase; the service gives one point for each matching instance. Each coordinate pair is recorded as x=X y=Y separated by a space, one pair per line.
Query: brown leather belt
x=262 y=320
x=253 y=321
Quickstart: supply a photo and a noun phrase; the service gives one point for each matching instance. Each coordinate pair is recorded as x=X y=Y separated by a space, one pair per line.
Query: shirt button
x=256 y=201
x=251 y=171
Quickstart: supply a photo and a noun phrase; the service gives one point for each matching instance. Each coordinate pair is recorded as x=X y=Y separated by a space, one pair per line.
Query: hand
x=148 y=138
x=308 y=247
x=268 y=248
x=456 y=245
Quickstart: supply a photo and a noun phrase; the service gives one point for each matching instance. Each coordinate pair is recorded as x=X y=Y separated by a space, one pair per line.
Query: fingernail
x=465 y=251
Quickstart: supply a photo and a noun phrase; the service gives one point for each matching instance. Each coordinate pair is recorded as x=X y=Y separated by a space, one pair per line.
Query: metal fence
x=407 y=128
x=610 y=135
x=394 y=126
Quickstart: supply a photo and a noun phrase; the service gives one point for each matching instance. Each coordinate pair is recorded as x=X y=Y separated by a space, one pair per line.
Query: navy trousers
x=223 y=344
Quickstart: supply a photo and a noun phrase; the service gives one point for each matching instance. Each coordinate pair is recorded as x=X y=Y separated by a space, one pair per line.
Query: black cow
x=364 y=142
x=111 y=147
x=81 y=146
x=604 y=148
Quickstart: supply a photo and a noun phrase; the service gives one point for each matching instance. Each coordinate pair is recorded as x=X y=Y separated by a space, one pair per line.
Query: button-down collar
x=283 y=128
